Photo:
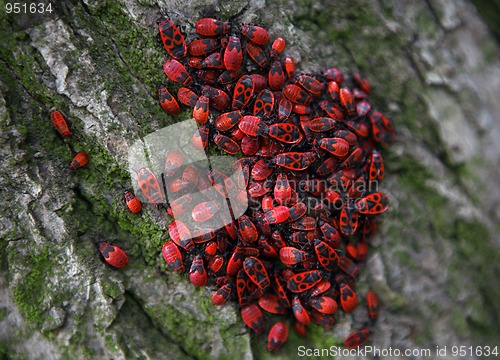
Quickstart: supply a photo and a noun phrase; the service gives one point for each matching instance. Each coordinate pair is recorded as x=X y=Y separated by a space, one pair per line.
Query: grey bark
x=435 y=72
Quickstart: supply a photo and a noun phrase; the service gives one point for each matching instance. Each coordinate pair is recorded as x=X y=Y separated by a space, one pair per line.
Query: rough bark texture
x=435 y=72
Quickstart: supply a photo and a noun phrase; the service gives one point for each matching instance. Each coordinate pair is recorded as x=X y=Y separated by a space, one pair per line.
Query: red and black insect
x=172 y=256
x=227 y=121
x=347 y=101
x=292 y=256
x=357 y=338
x=167 y=101
x=197 y=274
x=226 y=144
x=187 y=96
x=373 y=304
x=323 y=304
x=60 y=123
x=243 y=92
x=247 y=229
x=336 y=146
x=313 y=86
x=285 y=133
x=201 y=110
x=322 y=124
x=181 y=235
x=222 y=295
x=256 y=271
x=219 y=99
x=277 y=336
x=299 y=311
x=276 y=215
x=80 y=159
x=256 y=34
x=372 y=204
x=276 y=76
x=205 y=211
x=172 y=38
x=304 y=281
x=348 y=298
x=327 y=256
x=213 y=61
x=257 y=54
x=176 y=72
x=264 y=103
x=277 y=47
x=271 y=303
x=133 y=203
x=201 y=47
x=293 y=160
x=233 y=55
x=252 y=125
x=113 y=254
x=211 y=27
x=253 y=318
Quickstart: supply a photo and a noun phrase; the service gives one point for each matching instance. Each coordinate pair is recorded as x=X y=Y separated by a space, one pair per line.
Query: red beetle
x=181 y=235
x=172 y=256
x=304 y=223
x=219 y=100
x=297 y=211
x=172 y=38
x=197 y=273
x=348 y=298
x=227 y=121
x=376 y=170
x=226 y=144
x=347 y=101
x=150 y=187
x=133 y=202
x=333 y=74
x=322 y=124
x=333 y=90
x=187 y=97
x=173 y=162
x=264 y=103
x=336 y=146
x=60 y=123
x=253 y=318
x=299 y=311
x=205 y=211
x=362 y=82
x=222 y=294
x=277 y=336
x=215 y=263
x=213 y=61
x=256 y=34
x=114 y=255
x=256 y=271
x=290 y=68
x=277 y=47
x=201 y=110
x=252 y=125
x=271 y=303
x=372 y=204
x=277 y=215
x=257 y=54
x=310 y=84
x=327 y=256
x=357 y=338
x=292 y=256
x=167 y=101
x=323 y=304
x=80 y=159
x=373 y=304
x=294 y=160
x=211 y=27
x=243 y=92
x=202 y=47
x=250 y=145
x=176 y=72
x=304 y=281
x=282 y=189
x=262 y=169
x=276 y=76
x=285 y=133
x=247 y=229
x=233 y=55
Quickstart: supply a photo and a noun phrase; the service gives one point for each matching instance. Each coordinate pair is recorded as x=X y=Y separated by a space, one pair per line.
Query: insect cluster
x=310 y=170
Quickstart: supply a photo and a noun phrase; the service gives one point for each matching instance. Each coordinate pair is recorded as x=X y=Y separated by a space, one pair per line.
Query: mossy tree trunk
x=434 y=70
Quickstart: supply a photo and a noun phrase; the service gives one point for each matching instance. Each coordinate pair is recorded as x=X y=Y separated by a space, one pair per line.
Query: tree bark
x=434 y=68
